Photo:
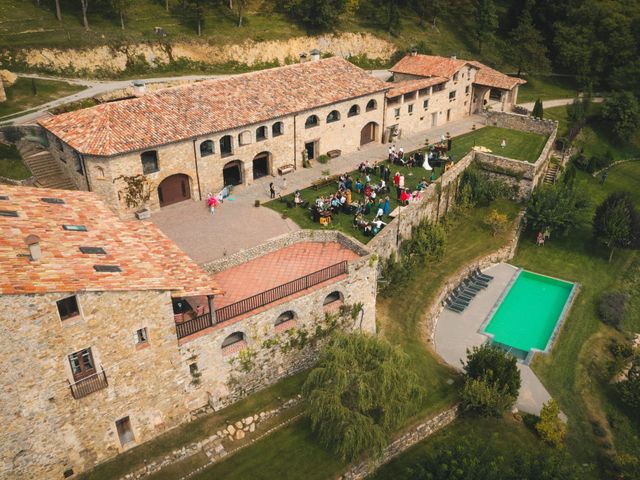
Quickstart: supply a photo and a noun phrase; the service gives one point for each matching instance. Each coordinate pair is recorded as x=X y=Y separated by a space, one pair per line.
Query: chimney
x=33 y=242
x=139 y=88
x=414 y=51
x=303 y=57
x=315 y=55
x=453 y=57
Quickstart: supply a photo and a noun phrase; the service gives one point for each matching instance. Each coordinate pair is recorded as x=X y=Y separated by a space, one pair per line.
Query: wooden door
x=82 y=364
x=174 y=189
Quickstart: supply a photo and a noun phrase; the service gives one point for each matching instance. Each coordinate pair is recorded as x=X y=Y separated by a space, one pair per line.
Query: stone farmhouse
x=111 y=334
x=187 y=141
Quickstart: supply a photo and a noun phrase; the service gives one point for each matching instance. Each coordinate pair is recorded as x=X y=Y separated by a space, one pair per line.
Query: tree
x=196 y=7
x=122 y=8
x=240 y=6
x=317 y=14
x=527 y=50
x=361 y=390
x=629 y=388
x=557 y=208
x=616 y=223
x=431 y=8
x=494 y=364
x=85 y=5
x=550 y=427
x=485 y=397
x=611 y=308
x=538 y=111
x=486 y=21
x=58 y=12
x=622 y=110
x=496 y=221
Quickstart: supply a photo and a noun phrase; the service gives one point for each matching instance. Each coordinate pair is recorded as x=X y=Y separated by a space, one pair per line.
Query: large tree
x=616 y=223
x=317 y=14
x=122 y=8
x=486 y=22
x=196 y=7
x=557 y=208
x=622 y=111
x=526 y=48
x=361 y=390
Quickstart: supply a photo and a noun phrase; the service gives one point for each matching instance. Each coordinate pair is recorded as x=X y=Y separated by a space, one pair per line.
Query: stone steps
x=43 y=166
x=551 y=174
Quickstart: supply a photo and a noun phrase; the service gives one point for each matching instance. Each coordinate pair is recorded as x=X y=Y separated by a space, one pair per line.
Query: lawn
x=265 y=399
x=576 y=371
x=548 y=87
x=20 y=96
x=519 y=145
x=11 y=164
x=292 y=452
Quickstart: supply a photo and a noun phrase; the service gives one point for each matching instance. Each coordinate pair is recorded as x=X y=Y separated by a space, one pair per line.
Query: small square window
x=125 y=433
x=107 y=268
x=397 y=112
x=425 y=104
x=68 y=473
x=8 y=213
x=93 y=250
x=452 y=95
x=410 y=108
x=68 y=307
x=141 y=336
x=466 y=89
x=75 y=228
x=54 y=201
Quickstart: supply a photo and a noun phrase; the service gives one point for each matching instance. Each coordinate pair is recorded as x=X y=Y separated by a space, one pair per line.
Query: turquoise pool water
x=529 y=312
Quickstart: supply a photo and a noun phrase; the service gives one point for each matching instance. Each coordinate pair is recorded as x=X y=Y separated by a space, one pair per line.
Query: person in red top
x=396 y=182
x=405 y=197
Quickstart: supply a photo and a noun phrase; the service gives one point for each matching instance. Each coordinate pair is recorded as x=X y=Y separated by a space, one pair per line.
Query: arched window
x=312 y=121
x=333 y=116
x=332 y=298
x=233 y=339
x=206 y=148
x=277 y=129
x=372 y=105
x=285 y=317
x=354 y=110
x=149 y=162
x=244 y=138
x=261 y=133
x=226 y=145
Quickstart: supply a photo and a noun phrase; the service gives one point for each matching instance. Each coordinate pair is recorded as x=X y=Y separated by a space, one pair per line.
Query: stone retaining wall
x=404 y=442
x=522 y=123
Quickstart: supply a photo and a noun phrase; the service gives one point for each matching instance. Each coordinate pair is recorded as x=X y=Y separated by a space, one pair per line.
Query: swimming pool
x=529 y=316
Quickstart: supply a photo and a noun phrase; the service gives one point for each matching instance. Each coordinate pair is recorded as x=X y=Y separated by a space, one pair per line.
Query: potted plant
x=135 y=194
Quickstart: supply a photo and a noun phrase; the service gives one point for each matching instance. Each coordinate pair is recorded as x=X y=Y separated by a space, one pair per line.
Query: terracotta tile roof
x=398 y=88
x=428 y=66
x=489 y=77
x=202 y=108
x=148 y=260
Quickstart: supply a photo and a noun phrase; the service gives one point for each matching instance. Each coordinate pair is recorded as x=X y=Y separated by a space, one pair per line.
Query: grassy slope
x=11 y=165
x=520 y=145
x=546 y=88
x=575 y=373
x=20 y=95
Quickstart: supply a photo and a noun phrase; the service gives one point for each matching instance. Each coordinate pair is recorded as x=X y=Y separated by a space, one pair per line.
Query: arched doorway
x=368 y=133
x=232 y=173
x=261 y=165
x=174 y=189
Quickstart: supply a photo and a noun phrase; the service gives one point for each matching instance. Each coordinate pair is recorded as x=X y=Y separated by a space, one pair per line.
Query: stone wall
x=522 y=123
x=415 y=434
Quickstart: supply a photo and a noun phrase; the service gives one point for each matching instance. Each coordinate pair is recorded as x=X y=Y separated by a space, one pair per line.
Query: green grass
x=289 y=453
x=576 y=371
x=520 y=145
x=548 y=87
x=198 y=429
x=499 y=435
x=20 y=95
x=11 y=164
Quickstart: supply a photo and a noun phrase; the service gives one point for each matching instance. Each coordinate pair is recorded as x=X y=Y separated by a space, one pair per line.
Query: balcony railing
x=90 y=384
x=261 y=299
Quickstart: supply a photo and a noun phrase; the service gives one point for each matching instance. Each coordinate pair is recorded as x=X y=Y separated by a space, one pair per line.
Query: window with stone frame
x=68 y=307
x=277 y=129
x=125 y=432
x=455 y=77
x=396 y=112
x=410 y=108
x=261 y=133
x=311 y=121
x=244 y=138
x=82 y=364
x=353 y=111
x=333 y=116
x=332 y=298
x=452 y=95
x=371 y=105
x=226 y=146
x=425 y=104
x=149 y=162
x=466 y=90
x=141 y=336
x=206 y=148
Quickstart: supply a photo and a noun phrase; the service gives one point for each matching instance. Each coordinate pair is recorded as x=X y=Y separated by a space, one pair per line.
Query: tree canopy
x=558 y=208
x=622 y=110
x=361 y=390
x=616 y=223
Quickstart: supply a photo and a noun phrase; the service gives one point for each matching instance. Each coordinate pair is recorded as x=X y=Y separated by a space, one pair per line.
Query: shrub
x=323 y=159
x=598 y=430
x=496 y=221
x=629 y=388
x=620 y=350
x=611 y=308
x=530 y=420
x=486 y=398
x=550 y=427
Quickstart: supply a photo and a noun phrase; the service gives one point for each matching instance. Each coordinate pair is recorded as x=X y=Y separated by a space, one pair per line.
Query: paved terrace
x=279 y=267
x=457 y=332
x=238 y=225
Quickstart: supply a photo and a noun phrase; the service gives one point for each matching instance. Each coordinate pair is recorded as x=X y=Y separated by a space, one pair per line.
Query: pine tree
x=527 y=50
x=537 y=109
x=486 y=22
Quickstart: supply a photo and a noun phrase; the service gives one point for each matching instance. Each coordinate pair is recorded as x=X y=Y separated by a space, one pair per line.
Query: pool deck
x=455 y=333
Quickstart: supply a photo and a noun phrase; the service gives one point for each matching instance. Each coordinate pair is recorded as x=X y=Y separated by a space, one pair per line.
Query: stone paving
x=455 y=333
x=238 y=224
